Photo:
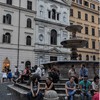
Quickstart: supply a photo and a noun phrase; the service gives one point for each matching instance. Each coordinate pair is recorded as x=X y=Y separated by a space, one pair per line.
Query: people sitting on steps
x=9 y=75
x=36 y=71
x=4 y=76
x=54 y=75
x=85 y=87
x=35 y=93
x=95 y=85
x=23 y=76
x=49 y=85
x=70 y=88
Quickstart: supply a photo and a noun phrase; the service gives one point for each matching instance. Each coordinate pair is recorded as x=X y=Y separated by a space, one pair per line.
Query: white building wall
x=11 y=50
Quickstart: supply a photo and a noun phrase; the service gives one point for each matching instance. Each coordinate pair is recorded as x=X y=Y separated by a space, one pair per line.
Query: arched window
x=7 y=38
x=9 y=2
x=54 y=37
x=87 y=57
x=29 y=23
x=54 y=14
x=94 y=58
x=28 y=40
x=28 y=64
x=80 y=57
x=7 y=19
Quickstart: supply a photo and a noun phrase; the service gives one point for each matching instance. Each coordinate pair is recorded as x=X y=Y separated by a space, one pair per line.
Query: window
x=98 y=8
x=92 y=18
x=79 y=1
x=94 y=58
x=98 y=20
x=86 y=3
x=79 y=14
x=71 y=12
x=29 y=5
x=99 y=32
x=93 y=31
x=93 y=44
x=28 y=40
x=54 y=14
x=92 y=6
x=86 y=30
x=80 y=57
x=86 y=17
x=57 y=16
x=49 y=14
x=29 y=23
x=6 y=38
x=54 y=37
x=87 y=44
x=7 y=19
x=87 y=57
x=9 y=2
x=52 y=58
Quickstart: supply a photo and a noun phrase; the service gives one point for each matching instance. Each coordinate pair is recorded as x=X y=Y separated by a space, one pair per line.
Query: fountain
x=74 y=42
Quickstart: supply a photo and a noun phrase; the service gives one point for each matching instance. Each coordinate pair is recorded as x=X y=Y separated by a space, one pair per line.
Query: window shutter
x=9 y=38
x=4 y=18
x=3 y=39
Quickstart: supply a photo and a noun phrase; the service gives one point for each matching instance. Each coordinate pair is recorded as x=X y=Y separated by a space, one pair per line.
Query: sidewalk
x=5 y=94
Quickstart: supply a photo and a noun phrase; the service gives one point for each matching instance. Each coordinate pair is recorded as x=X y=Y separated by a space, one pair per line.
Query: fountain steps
x=23 y=89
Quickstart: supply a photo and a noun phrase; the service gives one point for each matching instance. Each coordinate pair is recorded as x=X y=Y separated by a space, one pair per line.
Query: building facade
x=31 y=32
x=86 y=14
x=16 y=33
x=51 y=18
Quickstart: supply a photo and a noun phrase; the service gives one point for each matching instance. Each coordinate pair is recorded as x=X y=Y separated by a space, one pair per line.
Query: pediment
x=54 y=50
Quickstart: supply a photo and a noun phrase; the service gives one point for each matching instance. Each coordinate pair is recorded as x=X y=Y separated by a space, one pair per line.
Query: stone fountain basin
x=74 y=28
x=74 y=43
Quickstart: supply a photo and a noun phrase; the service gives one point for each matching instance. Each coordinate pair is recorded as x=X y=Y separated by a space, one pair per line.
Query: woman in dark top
x=35 y=90
x=49 y=84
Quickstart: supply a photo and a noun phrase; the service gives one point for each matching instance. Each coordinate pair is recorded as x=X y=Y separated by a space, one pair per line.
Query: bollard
x=51 y=95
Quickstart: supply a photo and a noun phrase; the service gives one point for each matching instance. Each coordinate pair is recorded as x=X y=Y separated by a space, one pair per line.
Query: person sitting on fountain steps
x=70 y=89
x=85 y=86
x=35 y=93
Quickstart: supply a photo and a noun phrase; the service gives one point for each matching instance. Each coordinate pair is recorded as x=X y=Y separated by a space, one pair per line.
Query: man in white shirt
x=38 y=71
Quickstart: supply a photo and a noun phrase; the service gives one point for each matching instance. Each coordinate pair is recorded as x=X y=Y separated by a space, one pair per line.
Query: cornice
x=85 y=8
x=46 y=51
x=65 y=3
x=92 y=52
x=17 y=8
x=50 y=22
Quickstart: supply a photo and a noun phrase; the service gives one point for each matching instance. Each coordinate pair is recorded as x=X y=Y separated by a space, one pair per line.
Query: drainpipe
x=18 y=34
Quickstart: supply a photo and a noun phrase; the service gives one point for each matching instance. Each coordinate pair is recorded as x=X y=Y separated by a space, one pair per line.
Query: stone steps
x=23 y=89
x=60 y=89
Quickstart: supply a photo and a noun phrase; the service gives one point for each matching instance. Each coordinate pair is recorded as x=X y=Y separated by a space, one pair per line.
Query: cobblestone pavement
x=5 y=94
